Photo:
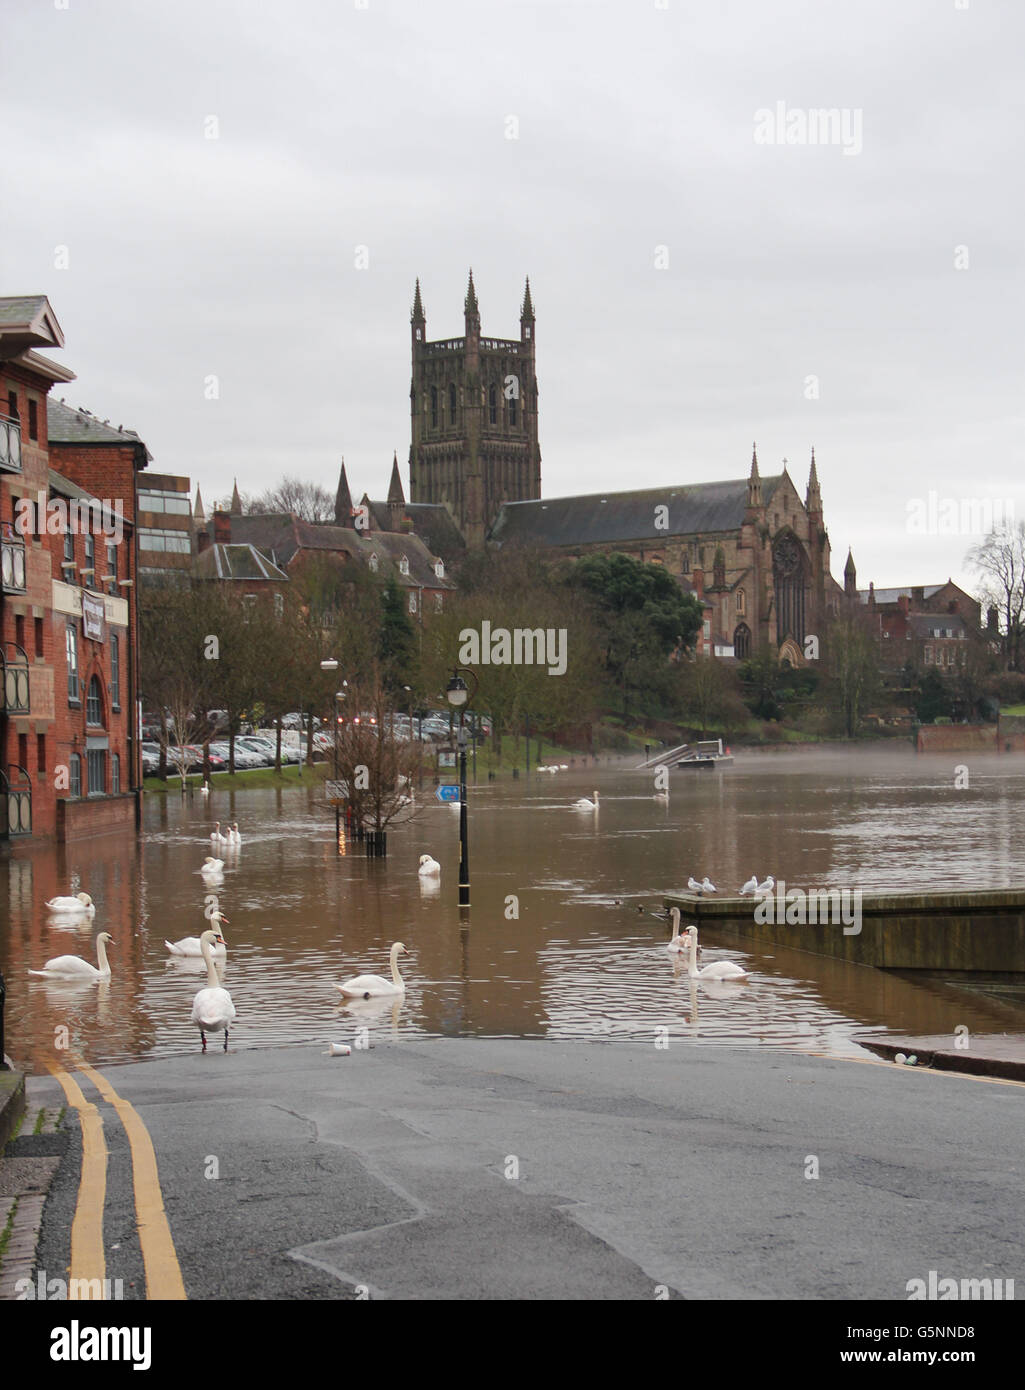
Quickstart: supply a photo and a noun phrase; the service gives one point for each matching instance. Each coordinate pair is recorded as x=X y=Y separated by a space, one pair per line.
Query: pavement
x=507 y=1169
x=1001 y=1054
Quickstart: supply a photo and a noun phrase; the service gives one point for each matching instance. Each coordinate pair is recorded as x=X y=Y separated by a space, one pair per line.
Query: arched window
x=512 y=411
x=434 y=407
x=788 y=581
x=451 y=405
x=94 y=702
x=742 y=642
x=439 y=568
x=741 y=602
x=492 y=405
x=404 y=565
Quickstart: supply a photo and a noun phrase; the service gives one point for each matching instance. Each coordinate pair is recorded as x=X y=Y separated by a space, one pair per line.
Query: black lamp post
x=458 y=694
x=332 y=665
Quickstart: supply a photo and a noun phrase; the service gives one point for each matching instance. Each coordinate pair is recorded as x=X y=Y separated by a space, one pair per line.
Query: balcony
x=14 y=674
x=12 y=566
x=10 y=445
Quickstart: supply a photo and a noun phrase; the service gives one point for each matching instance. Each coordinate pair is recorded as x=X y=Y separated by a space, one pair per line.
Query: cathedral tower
x=473 y=412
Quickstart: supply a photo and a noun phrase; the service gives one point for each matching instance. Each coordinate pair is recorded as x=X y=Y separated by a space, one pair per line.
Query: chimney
x=903 y=603
x=222 y=528
x=203 y=541
x=697 y=578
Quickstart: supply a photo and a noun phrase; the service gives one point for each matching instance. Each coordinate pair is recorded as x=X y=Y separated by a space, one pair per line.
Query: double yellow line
x=88 y=1261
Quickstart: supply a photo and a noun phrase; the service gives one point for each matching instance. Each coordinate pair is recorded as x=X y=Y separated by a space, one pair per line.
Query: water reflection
x=555 y=947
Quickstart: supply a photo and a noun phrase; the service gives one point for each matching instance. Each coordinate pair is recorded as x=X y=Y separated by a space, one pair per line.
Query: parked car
x=243 y=757
x=150 y=759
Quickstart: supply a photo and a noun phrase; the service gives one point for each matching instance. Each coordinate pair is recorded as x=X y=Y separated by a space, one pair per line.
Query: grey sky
x=386 y=127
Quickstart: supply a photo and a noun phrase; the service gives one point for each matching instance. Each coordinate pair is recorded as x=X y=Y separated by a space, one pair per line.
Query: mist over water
x=580 y=961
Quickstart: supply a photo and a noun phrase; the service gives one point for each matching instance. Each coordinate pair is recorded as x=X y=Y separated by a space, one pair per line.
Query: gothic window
x=685 y=561
x=741 y=601
x=492 y=405
x=71 y=650
x=451 y=405
x=418 y=335
x=434 y=407
x=788 y=581
x=512 y=411
x=742 y=642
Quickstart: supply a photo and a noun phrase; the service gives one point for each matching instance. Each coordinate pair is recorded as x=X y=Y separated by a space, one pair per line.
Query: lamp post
x=458 y=694
x=331 y=665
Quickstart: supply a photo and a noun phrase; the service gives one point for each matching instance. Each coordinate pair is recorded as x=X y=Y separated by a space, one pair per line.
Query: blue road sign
x=449 y=792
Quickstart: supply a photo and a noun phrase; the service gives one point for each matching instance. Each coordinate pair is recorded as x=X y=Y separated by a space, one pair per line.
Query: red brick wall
x=77 y=820
x=963 y=738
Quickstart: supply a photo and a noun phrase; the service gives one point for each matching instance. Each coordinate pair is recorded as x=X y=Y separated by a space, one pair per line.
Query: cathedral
x=753 y=550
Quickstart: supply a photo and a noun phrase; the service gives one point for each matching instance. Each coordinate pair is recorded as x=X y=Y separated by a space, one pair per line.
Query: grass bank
x=250 y=777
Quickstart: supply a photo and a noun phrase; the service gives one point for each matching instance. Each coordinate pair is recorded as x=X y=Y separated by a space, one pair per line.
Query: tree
x=397 y=638
x=854 y=664
x=999 y=561
x=378 y=768
x=710 y=696
x=932 y=699
x=309 y=501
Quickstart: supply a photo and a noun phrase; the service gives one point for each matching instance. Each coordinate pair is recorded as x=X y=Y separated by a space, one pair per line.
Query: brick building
x=921 y=625
x=68 y=755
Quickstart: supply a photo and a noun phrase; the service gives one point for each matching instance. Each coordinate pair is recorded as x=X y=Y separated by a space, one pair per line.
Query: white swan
x=193 y=945
x=76 y=967
x=205 y=789
x=212 y=1008
x=80 y=905
x=717 y=969
x=677 y=943
x=584 y=805
x=211 y=866
x=234 y=838
x=767 y=886
x=216 y=838
x=429 y=868
x=751 y=886
x=368 y=986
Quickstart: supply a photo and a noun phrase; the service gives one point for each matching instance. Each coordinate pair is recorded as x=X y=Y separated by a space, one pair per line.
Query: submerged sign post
x=449 y=792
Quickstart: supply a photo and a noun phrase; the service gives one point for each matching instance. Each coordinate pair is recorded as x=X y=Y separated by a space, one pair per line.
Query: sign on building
x=92 y=617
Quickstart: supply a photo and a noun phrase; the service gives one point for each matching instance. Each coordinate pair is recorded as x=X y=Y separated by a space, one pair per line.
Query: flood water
x=580 y=960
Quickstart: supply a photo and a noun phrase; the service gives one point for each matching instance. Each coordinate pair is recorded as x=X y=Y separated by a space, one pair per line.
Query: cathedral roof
x=432 y=522
x=603 y=518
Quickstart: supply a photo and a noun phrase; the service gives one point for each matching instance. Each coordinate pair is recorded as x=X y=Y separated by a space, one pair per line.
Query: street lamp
x=331 y=665
x=458 y=694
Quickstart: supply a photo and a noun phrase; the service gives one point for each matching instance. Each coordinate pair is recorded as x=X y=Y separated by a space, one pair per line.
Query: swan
x=205 y=789
x=564 y=767
x=234 y=838
x=367 y=986
x=584 y=805
x=211 y=866
x=212 y=1008
x=193 y=945
x=76 y=967
x=751 y=886
x=81 y=905
x=717 y=969
x=677 y=943
x=767 y=886
x=429 y=868
x=217 y=838
x=661 y=796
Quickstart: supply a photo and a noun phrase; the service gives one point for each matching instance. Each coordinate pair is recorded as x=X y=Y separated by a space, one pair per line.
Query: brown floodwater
x=579 y=961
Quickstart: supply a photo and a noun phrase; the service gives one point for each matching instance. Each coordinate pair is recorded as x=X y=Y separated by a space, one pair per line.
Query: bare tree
x=309 y=501
x=378 y=768
x=999 y=561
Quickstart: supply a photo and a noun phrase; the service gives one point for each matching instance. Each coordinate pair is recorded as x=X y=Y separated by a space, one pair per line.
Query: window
x=373 y=562
x=33 y=419
x=451 y=405
x=928 y=656
x=404 y=565
x=248 y=604
x=39 y=636
x=439 y=568
x=112 y=565
x=75 y=775
x=159 y=500
x=69 y=545
x=90 y=561
x=12 y=405
x=741 y=601
x=23 y=751
x=19 y=630
x=742 y=642
x=150 y=538
x=412 y=600
x=41 y=754
x=279 y=606
x=512 y=411
x=96 y=770
x=93 y=702
x=115 y=670
x=439 y=602
x=492 y=406
x=71 y=650
x=115 y=773
x=434 y=407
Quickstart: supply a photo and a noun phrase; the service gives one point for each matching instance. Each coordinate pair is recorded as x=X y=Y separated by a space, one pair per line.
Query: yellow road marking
x=922 y=1071
x=159 y=1257
x=87 y=1258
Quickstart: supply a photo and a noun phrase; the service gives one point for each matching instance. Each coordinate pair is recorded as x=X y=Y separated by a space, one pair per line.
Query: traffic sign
x=449 y=792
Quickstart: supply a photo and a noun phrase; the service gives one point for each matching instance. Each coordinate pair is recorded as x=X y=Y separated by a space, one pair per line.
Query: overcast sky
x=387 y=127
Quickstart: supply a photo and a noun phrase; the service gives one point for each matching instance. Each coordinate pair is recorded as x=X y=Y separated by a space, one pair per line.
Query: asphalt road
x=468 y=1168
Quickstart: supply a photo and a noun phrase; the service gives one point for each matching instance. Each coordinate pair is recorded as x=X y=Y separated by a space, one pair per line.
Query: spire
x=236 y=501
x=198 y=514
x=527 y=312
x=343 y=500
x=395 y=494
x=418 y=308
x=754 y=482
x=470 y=305
x=813 y=477
x=813 y=497
x=850 y=576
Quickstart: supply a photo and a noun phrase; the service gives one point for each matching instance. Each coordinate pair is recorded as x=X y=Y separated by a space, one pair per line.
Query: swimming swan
x=368 y=986
x=76 y=967
x=212 y=1008
x=80 y=905
x=429 y=868
x=193 y=945
x=717 y=969
x=584 y=805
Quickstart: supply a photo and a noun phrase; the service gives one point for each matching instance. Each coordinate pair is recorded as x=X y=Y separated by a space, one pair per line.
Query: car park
x=244 y=759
